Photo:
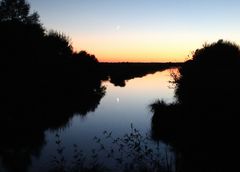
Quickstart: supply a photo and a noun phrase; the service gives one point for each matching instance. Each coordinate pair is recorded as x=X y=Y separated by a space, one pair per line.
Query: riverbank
x=118 y=73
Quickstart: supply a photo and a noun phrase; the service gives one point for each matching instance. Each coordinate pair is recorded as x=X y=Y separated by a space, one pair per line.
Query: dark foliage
x=18 y=11
x=202 y=125
x=57 y=47
x=20 y=43
x=83 y=58
x=210 y=80
x=41 y=87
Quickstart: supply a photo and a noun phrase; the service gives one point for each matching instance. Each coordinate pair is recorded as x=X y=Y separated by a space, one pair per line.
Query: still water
x=117 y=110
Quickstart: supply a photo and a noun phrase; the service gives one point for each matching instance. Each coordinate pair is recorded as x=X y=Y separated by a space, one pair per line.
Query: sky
x=141 y=30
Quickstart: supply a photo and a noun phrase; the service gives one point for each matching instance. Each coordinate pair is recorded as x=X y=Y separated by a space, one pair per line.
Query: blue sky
x=120 y=29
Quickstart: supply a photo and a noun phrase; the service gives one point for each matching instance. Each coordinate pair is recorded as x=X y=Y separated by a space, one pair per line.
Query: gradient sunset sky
x=141 y=30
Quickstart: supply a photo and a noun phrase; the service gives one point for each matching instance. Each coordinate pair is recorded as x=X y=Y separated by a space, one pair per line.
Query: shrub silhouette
x=84 y=61
x=203 y=122
x=83 y=57
x=210 y=79
x=57 y=48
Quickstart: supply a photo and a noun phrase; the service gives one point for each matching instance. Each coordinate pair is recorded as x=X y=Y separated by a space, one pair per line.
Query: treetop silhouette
x=211 y=76
x=17 y=10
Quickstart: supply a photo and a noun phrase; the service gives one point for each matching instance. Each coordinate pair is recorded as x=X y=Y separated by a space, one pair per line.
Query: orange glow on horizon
x=135 y=53
x=141 y=47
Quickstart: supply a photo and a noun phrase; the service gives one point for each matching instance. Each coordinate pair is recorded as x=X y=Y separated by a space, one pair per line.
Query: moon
x=118 y=100
x=118 y=27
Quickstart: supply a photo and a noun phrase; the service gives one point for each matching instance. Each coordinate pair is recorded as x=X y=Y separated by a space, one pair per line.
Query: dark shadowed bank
x=203 y=124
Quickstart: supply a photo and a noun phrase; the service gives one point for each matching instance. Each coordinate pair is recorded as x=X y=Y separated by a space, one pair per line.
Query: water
x=117 y=110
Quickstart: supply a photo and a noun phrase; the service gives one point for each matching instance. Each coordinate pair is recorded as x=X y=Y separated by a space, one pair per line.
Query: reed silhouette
x=132 y=151
x=202 y=125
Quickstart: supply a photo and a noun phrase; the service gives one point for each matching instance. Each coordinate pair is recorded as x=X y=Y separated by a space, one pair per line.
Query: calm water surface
x=120 y=107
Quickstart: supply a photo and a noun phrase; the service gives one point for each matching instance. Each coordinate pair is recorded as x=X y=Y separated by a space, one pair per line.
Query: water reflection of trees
x=119 y=73
x=203 y=125
x=25 y=117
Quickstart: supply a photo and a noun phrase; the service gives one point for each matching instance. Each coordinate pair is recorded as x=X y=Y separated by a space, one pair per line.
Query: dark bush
x=211 y=78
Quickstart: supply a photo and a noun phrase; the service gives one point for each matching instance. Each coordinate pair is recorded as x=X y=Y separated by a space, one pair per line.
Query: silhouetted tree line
x=202 y=125
x=43 y=83
x=38 y=63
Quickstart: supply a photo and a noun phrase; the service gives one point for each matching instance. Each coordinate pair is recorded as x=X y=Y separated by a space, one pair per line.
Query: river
x=118 y=110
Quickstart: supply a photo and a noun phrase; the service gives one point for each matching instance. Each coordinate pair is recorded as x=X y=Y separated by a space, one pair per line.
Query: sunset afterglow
x=141 y=30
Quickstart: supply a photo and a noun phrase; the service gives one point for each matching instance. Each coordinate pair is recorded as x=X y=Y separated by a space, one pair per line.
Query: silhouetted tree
x=211 y=78
x=17 y=10
x=21 y=34
x=83 y=57
x=57 y=47
x=202 y=126
x=20 y=43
